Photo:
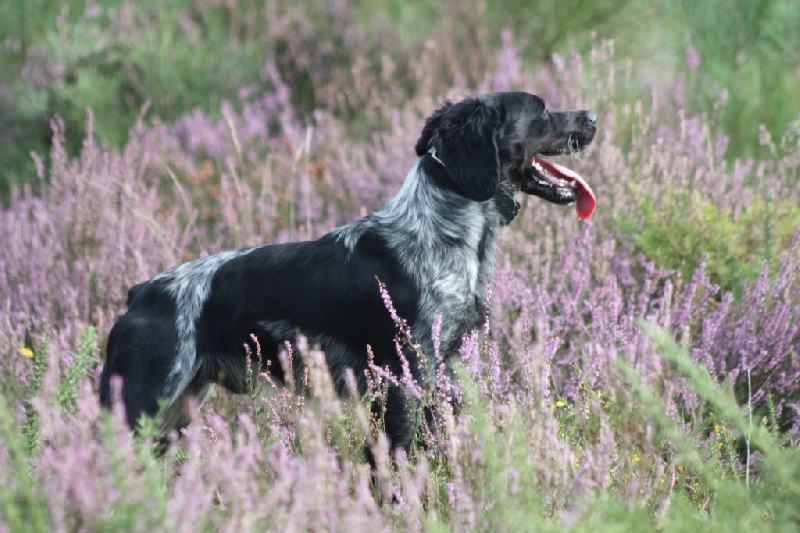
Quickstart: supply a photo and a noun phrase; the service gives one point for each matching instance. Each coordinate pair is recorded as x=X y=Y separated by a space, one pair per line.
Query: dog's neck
x=433 y=167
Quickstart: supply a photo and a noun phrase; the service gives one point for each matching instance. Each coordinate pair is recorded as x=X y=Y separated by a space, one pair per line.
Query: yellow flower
x=636 y=458
x=720 y=444
x=560 y=404
x=26 y=352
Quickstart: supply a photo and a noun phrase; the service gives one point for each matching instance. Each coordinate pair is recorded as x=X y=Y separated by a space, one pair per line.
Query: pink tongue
x=586 y=200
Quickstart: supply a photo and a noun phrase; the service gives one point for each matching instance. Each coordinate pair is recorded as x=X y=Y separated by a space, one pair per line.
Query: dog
x=432 y=247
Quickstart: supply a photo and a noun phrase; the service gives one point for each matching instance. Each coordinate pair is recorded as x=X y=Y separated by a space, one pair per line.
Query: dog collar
x=507 y=205
x=432 y=153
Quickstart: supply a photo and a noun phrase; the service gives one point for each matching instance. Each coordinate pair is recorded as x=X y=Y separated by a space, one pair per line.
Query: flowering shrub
x=573 y=414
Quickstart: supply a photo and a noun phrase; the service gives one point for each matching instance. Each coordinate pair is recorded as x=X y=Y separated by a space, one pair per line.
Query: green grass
x=684 y=228
x=750 y=51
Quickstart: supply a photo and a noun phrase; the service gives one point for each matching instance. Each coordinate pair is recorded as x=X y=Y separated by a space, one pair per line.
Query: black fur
x=462 y=137
x=433 y=246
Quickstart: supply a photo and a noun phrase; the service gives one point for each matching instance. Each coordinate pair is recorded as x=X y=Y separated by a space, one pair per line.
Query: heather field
x=640 y=370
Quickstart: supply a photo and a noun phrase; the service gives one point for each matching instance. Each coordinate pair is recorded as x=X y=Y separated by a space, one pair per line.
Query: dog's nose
x=592 y=118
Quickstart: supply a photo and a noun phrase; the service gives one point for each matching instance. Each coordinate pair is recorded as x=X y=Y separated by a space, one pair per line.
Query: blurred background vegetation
x=739 y=58
x=733 y=63
x=700 y=168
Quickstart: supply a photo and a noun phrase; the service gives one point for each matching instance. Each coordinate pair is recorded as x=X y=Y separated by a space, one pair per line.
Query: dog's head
x=495 y=141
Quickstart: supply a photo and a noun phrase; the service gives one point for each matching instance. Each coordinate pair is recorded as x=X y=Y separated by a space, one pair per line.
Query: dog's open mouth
x=560 y=185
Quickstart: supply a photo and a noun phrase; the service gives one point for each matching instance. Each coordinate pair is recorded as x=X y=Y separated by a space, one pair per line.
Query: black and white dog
x=433 y=247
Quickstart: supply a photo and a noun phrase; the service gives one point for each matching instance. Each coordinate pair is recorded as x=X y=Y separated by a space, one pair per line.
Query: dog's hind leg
x=178 y=413
x=143 y=352
x=399 y=418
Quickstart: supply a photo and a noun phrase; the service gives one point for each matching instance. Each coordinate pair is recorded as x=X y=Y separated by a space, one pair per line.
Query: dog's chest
x=452 y=281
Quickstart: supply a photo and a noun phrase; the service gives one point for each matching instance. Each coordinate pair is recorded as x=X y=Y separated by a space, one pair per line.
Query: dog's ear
x=463 y=138
x=432 y=124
